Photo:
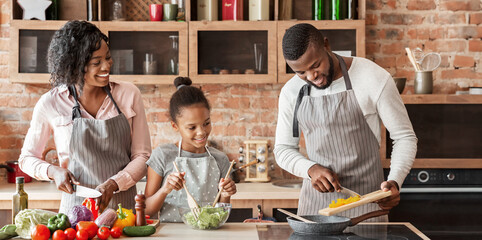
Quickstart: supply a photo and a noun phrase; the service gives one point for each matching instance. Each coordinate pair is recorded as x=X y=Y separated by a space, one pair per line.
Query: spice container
x=207 y=10
x=233 y=10
x=117 y=10
x=258 y=10
x=149 y=66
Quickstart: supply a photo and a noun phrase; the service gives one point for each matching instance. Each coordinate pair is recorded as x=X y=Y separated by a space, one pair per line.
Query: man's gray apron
x=337 y=137
x=202 y=179
x=99 y=149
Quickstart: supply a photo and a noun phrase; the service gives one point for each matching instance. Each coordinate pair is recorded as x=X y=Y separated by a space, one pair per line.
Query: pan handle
x=354 y=221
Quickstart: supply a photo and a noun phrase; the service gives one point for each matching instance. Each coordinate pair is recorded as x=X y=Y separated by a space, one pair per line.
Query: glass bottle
x=20 y=198
x=173 y=68
x=339 y=9
x=117 y=10
x=52 y=12
x=321 y=9
x=92 y=12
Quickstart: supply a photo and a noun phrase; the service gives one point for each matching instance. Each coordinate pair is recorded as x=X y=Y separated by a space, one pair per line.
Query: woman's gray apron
x=338 y=137
x=202 y=179
x=99 y=149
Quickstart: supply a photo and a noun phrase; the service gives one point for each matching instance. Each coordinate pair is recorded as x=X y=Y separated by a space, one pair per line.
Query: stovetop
x=362 y=231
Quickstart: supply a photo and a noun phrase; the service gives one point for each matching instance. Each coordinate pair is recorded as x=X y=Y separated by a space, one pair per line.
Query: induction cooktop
x=361 y=231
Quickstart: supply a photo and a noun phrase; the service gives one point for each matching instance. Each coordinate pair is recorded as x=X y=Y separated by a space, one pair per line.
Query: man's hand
x=107 y=189
x=63 y=178
x=323 y=179
x=391 y=201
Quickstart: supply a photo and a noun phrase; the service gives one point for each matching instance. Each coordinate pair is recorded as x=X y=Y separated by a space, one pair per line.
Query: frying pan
x=329 y=225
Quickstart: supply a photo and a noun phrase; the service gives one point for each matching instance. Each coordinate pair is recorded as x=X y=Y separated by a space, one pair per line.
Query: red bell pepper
x=90 y=204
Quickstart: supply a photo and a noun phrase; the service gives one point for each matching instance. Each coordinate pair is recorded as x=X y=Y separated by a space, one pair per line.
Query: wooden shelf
x=196 y=27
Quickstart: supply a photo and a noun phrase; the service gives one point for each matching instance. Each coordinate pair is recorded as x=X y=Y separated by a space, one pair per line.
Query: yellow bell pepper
x=125 y=217
x=341 y=201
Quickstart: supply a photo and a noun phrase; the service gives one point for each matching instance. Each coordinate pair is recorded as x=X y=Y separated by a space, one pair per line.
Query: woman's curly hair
x=70 y=50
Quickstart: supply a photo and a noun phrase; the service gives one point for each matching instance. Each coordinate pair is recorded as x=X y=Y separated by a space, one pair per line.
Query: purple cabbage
x=79 y=213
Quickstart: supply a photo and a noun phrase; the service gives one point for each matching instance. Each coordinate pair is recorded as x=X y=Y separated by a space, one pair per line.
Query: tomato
x=40 y=232
x=59 y=235
x=116 y=232
x=82 y=234
x=103 y=233
x=70 y=233
x=89 y=226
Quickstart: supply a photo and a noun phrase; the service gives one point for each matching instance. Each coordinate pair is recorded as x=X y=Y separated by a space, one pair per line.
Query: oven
x=442 y=203
x=442 y=195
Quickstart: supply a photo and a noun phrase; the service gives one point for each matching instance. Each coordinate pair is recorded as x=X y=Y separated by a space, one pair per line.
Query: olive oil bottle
x=20 y=198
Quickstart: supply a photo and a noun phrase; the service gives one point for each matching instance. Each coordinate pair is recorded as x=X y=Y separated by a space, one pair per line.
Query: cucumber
x=139 y=231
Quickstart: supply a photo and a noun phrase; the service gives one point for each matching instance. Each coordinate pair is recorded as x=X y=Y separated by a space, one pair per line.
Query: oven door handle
x=442 y=190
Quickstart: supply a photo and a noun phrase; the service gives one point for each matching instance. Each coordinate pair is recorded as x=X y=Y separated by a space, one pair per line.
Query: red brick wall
x=242 y=111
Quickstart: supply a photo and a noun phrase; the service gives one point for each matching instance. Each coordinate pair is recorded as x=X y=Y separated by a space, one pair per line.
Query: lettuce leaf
x=208 y=218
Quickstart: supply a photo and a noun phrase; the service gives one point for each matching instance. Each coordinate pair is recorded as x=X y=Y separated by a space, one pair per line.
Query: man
x=337 y=103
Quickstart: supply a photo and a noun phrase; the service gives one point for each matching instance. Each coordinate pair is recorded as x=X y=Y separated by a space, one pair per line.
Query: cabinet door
x=147 y=52
x=346 y=38
x=232 y=52
x=29 y=42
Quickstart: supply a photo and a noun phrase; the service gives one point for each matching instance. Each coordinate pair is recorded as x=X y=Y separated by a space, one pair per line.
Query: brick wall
x=242 y=111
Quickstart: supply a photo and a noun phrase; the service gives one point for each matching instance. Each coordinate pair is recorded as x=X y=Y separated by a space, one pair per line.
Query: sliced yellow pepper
x=341 y=201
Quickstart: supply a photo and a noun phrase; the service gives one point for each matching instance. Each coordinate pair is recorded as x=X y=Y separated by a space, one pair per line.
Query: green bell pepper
x=59 y=221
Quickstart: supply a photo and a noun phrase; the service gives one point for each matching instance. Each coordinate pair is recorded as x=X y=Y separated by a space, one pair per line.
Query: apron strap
x=179 y=151
x=345 y=72
x=304 y=91
x=76 y=109
x=107 y=90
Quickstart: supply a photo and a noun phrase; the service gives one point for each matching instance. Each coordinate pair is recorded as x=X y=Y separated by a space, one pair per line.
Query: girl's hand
x=174 y=181
x=227 y=186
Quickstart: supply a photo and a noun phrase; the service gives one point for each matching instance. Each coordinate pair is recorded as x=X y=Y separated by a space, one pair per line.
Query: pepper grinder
x=140 y=206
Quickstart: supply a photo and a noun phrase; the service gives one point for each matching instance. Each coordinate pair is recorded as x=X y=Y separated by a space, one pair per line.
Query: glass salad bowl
x=205 y=217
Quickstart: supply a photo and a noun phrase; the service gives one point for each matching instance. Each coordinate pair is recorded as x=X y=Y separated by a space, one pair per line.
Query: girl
x=201 y=166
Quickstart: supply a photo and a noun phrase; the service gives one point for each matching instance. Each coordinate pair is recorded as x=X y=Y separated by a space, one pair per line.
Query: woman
x=99 y=127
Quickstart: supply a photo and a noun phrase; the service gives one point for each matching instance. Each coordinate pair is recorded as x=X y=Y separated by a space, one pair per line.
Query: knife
x=349 y=192
x=82 y=191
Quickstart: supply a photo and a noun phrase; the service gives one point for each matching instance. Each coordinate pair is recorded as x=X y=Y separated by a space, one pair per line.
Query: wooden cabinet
x=242 y=51
x=448 y=131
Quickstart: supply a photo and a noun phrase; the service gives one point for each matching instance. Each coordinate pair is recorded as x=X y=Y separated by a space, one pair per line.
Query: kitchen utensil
x=430 y=61
x=412 y=59
x=247 y=165
x=225 y=177
x=367 y=198
x=349 y=192
x=296 y=216
x=328 y=225
x=417 y=55
x=82 y=191
x=190 y=199
x=423 y=83
x=261 y=218
x=13 y=171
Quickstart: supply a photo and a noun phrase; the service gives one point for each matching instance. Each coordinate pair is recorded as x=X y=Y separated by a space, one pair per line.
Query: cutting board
x=367 y=198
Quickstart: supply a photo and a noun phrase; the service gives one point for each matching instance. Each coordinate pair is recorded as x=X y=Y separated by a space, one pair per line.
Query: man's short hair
x=297 y=39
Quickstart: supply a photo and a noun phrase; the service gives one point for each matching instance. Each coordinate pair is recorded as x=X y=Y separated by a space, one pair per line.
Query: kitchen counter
x=282 y=231
x=46 y=196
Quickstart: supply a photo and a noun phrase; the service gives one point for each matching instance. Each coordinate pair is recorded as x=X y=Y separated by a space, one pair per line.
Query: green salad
x=208 y=217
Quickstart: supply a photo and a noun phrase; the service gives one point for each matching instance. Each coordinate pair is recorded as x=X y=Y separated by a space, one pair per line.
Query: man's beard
x=329 y=78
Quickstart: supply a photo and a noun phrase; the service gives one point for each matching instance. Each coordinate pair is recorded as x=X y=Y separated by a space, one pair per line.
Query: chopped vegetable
x=26 y=219
x=341 y=201
x=208 y=217
x=89 y=203
x=58 y=222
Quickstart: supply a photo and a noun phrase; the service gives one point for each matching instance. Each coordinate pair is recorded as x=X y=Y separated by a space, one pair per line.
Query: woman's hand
x=174 y=181
x=63 y=178
x=391 y=201
x=107 y=189
x=323 y=179
x=227 y=187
